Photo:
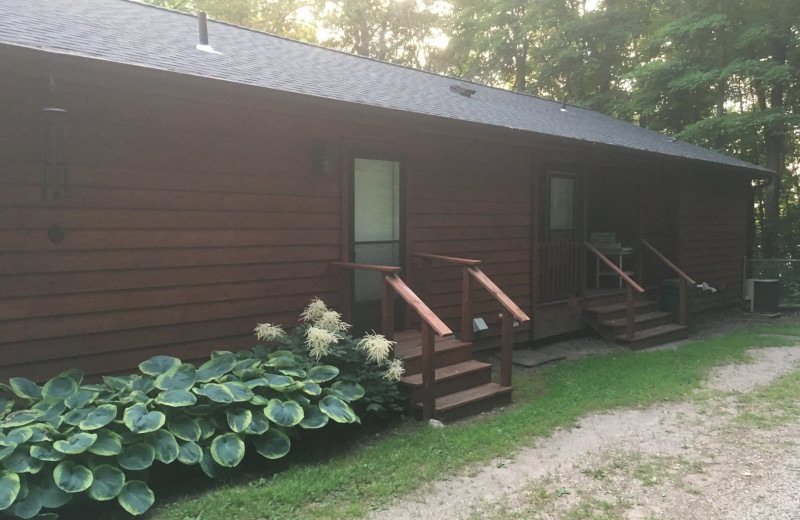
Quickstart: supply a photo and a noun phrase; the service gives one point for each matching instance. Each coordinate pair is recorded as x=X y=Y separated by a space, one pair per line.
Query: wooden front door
x=377 y=234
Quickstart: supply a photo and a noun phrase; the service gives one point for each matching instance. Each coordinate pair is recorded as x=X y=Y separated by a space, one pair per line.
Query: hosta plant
x=66 y=439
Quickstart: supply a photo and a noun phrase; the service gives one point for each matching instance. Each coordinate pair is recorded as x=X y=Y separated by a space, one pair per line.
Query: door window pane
x=376 y=232
x=562 y=208
x=377 y=200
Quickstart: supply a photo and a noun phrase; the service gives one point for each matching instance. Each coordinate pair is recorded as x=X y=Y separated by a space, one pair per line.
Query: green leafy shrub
x=367 y=361
x=66 y=439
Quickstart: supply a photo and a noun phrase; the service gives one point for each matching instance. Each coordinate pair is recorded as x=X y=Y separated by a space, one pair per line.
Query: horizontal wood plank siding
x=185 y=225
x=194 y=211
x=471 y=199
x=713 y=223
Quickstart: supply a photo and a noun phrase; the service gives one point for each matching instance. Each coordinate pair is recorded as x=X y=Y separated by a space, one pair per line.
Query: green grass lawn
x=350 y=477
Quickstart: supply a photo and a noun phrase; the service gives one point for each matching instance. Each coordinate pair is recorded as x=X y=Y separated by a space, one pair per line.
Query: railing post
x=576 y=251
x=466 y=304
x=428 y=372
x=682 y=312
x=506 y=348
x=630 y=313
x=387 y=307
x=345 y=288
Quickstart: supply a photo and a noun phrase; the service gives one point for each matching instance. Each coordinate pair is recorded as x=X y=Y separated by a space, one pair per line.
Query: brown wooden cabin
x=197 y=202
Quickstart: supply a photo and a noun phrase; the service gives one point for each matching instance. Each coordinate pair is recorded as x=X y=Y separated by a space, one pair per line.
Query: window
x=561 y=208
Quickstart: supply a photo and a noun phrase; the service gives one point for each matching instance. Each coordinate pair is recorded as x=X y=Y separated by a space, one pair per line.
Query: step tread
x=449 y=372
x=653 y=332
x=469 y=396
x=637 y=319
x=411 y=349
x=617 y=307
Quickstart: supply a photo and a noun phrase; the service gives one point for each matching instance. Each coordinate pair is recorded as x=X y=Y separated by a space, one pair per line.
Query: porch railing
x=429 y=323
x=471 y=272
x=561 y=270
x=631 y=289
x=683 y=279
x=650 y=270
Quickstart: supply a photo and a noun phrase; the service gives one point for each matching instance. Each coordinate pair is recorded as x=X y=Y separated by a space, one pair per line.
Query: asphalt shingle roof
x=142 y=35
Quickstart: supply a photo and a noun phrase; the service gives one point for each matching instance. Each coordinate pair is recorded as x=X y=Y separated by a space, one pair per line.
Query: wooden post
x=466 y=305
x=630 y=313
x=346 y=300
x=428 y=372
x=683 y=311
x=387 y=307
x=506 y=348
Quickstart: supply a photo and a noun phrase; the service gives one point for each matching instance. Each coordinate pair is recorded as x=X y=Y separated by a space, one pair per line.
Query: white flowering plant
x=323 y=338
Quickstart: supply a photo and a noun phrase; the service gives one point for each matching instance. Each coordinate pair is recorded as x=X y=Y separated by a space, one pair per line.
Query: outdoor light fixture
x=55 y=172
x=321 y=164
x=479 y=324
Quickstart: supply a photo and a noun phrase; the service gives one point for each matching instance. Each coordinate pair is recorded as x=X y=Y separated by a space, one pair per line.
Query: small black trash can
x=671 y=297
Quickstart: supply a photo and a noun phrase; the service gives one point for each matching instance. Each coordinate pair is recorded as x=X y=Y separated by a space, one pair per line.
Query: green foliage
x=67 y=439
x=367 y=476
x=135 y=497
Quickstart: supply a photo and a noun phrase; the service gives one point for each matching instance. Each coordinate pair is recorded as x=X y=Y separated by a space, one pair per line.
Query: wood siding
x=191 y=216
x=713 y=223
x=194 y=212
x=186 y=224
x=476 y=204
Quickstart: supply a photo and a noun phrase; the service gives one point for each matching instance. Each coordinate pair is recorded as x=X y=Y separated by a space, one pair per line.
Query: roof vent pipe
x=202 y=25
x=564 y=104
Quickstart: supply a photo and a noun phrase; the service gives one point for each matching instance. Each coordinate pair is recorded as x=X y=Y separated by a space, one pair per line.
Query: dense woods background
x=724 y=74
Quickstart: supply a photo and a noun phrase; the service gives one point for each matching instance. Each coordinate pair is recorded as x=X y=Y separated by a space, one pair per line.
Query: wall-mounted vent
x=466 y=92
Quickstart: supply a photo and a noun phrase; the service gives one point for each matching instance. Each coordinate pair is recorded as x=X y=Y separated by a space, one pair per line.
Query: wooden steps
x=651 y=326
x=468 y=402
x=655 y=336
x=462 y=385
x=618 y=309
x=448 y=351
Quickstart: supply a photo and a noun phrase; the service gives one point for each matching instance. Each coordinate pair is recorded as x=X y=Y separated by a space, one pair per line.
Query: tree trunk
x=363 y=36
x=521 y=67
x=774 y=136
x=722 y=84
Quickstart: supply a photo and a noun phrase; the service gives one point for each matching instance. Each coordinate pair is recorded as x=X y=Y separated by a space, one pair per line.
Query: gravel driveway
x=690 y=460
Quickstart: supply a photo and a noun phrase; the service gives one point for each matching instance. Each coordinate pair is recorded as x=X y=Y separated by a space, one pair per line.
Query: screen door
x=377 y=235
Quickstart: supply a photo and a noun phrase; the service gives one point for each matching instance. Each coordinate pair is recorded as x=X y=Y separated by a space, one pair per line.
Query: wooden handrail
x=449 y=259
x=430 y=323
x=669 y=264
x=611 y=265
x=631 y=288
x=471 y=271
x=367 y=267
x=498 y=294
x=418 y=305
x=683 y=305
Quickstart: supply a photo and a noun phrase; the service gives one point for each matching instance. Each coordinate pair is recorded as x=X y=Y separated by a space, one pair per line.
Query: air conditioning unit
x=761 y=294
